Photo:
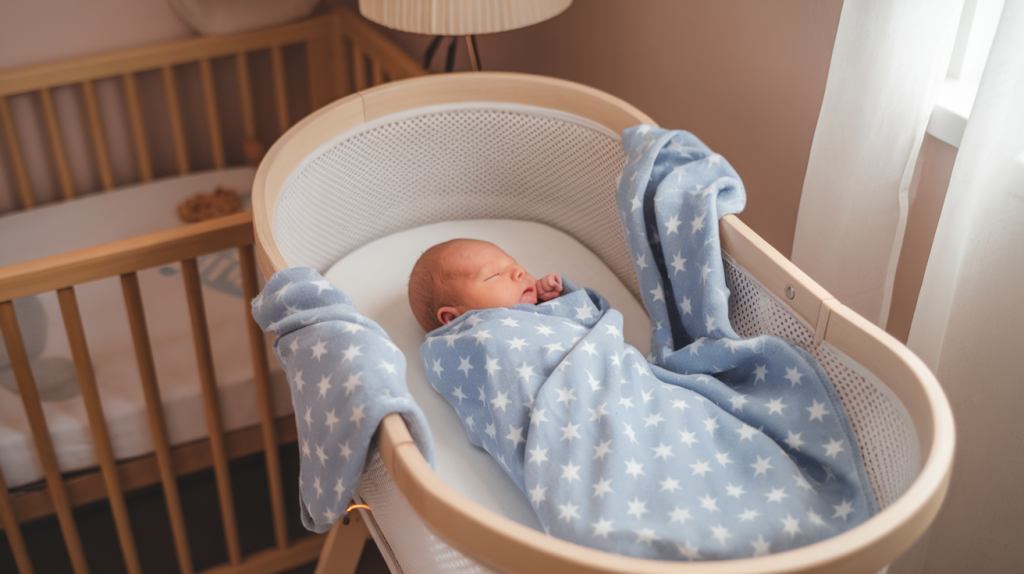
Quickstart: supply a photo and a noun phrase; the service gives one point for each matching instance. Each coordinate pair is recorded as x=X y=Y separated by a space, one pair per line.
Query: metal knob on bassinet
x=513 y=146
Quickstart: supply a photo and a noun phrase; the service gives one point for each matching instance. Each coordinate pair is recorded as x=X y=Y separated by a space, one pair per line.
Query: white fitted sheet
x=376 y=276
x=99 y=219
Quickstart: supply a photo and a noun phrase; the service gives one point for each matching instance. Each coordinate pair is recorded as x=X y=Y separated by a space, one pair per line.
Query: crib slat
x=13 y=530
x=57 y=143
x=245 y=95
x=155 y=414
x=98 y=424
x=377 y=73
x=261 y=370
x=174 y=116
x=98 y=141
x=131 y=94
x=358 y=68
x=342 y=63
x=280 y=95
x=320 y=66
x=24 y=187
x=214 y=425
x=41 y=435
x=212 y=117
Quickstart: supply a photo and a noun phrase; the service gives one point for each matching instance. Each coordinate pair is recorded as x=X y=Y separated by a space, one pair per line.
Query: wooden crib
x=338 y=53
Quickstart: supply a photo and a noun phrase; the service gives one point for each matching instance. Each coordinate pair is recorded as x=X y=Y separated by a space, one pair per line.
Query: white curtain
x=888 y=60
x=969 y=322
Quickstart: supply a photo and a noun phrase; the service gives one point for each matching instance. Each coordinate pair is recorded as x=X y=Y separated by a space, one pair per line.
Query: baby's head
x=461 y=275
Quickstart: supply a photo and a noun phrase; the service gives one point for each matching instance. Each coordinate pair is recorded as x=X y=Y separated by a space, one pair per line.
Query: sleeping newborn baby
x=649 y=460
x=711 y=447
x=461 y=275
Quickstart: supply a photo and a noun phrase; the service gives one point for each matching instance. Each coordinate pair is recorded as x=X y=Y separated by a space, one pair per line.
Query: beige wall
x=745 y=77
x=40 y=31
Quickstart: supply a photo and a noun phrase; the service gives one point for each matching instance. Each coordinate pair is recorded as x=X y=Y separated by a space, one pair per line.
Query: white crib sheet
x=93 y=221
x=376 y=277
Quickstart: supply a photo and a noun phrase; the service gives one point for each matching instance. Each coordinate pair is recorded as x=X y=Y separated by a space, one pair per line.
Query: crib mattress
x=376 y=276
x=95 y=220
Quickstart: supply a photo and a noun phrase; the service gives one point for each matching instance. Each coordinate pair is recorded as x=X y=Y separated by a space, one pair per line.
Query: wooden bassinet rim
x=508 y=546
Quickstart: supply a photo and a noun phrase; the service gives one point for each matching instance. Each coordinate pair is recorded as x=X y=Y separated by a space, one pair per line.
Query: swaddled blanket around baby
x=712 y=447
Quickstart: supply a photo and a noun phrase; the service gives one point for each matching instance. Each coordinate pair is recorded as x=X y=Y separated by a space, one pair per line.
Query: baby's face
x=487 y=277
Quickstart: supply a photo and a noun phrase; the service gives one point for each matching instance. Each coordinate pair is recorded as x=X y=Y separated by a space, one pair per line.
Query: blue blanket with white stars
x=345 y=375
x=712 y=447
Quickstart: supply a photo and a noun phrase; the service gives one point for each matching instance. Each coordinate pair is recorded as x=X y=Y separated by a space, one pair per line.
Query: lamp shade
x=460 y=17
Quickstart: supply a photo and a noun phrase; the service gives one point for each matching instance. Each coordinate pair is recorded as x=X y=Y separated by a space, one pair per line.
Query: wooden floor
x=152 y=530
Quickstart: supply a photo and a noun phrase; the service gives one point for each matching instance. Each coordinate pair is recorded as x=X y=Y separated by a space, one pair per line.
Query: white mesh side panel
x=452 y=165
x=409 y=541
x=888 y=441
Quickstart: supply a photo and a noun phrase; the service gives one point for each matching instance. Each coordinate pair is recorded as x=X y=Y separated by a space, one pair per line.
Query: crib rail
x=61 y=273
x=328 y=57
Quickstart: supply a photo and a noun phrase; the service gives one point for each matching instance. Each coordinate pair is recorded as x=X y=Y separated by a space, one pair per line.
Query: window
x=955 y=99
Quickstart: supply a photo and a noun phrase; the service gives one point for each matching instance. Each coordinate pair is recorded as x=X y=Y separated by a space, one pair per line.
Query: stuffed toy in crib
x=711 y=447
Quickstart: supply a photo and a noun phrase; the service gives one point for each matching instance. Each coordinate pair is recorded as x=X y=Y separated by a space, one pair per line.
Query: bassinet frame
x=504 y=545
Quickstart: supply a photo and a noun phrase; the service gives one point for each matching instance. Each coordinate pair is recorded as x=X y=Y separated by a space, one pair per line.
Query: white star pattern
x=516 y=436
x=659 y=295
x=843 y=510
x=570 y=432
x=491 y=366
x=833 y=448
x=762 y=465
x=793 y=440
x=793 y=376
x=637 y=507
x=700 y=468
x=537 y=494
x=602 y=527
x=761 y=548
x=749 y=515
x=570 y=472
x=708 y=503
x=525 y=372
x=331 y=419
x=661 y=451
x=817 y=411
x=324 y=385
x=602 y=487
x=351 y=352
x=760 y=372
x=319 y=349
x=501 y=401
x=357 y=414
x=568 y=511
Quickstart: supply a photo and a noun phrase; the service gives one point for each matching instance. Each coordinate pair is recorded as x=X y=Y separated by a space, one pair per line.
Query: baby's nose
x=518 y=272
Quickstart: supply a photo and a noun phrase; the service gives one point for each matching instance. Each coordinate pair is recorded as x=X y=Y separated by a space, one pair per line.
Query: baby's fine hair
x=430 y=285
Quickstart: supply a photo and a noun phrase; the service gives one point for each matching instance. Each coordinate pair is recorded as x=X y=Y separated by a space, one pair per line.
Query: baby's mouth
x=529 y=296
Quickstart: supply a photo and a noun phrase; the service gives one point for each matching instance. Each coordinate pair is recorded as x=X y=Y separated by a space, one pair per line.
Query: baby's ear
x=447 y=314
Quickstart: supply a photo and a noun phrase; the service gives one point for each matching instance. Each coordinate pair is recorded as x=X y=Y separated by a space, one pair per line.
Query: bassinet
x=500 y=145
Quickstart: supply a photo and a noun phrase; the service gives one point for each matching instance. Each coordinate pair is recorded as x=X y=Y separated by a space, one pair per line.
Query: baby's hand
x=549 y=287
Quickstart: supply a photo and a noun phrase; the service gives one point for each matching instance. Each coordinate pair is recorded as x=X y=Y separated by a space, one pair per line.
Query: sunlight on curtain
x=889 y=58
x=969 y=322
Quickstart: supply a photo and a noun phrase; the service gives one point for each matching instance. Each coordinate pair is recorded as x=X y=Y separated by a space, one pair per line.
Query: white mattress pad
x=376 y=276
x=95 y=220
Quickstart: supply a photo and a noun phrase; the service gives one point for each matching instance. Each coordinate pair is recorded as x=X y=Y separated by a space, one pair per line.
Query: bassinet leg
x=343 y=546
